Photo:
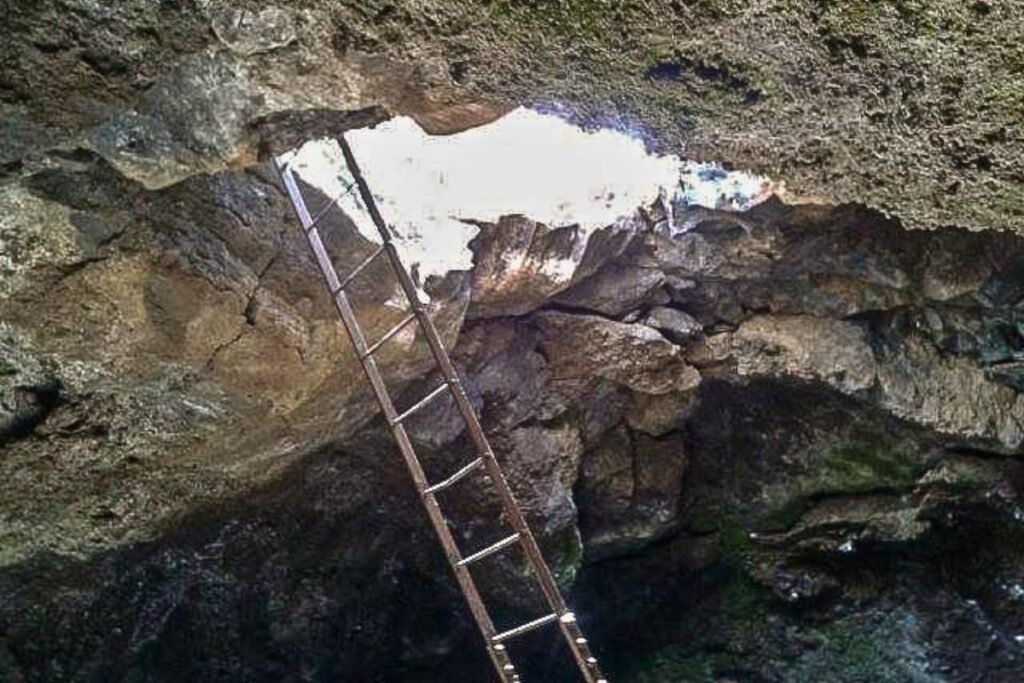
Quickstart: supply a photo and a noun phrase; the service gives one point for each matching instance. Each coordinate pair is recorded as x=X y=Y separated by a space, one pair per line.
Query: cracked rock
x=581 y=347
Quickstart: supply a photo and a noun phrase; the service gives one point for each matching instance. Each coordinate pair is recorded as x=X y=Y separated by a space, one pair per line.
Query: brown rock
x=584 y=347
x=630 y=488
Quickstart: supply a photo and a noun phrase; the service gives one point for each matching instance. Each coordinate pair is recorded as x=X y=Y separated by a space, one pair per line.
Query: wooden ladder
x=485 y=461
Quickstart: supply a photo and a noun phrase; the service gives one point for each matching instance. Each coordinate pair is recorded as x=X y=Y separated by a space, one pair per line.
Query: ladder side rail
x=585 y=660
x=499 y=658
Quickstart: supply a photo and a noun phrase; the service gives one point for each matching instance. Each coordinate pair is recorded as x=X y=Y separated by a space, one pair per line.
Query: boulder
x=582 y=347
x=675 y=324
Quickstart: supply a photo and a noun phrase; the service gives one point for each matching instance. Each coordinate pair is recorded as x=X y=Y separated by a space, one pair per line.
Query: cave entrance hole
x=432 y=190
x=430 y=187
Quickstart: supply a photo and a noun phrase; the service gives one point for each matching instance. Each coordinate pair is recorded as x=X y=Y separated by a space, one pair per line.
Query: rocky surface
x=908 y=106
x=796 y=419
x=781 y=445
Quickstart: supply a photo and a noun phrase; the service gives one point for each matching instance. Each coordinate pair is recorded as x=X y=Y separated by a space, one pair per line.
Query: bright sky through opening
x=529 y=163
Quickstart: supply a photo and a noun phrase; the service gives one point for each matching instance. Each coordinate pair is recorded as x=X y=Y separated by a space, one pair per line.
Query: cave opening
x=436 y=192
x=780 y=299
x=433 y=188
x=758 y=441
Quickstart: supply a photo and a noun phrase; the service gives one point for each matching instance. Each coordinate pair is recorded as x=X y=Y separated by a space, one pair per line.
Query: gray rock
x=675 y=324
x=520 y=265
x=584 y=347
x=659 y=414
x=831 y=351
x=630 y=487
x=248 y=32
x=73 y=69
x=951 y=395
x=614 y=290
x=27 y=391
x=182 y=416
x=193 y=120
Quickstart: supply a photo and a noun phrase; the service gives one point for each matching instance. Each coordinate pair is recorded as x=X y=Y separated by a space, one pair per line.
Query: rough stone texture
x=677 y=325
x=953 y=396
x=912 y=380
x=248 y=32
x=615 y=291
x=186 y=449
x=888 y=558
x=657 y=415
x=580 y=347
x=814 y=479
x=909 y=107
x=178 y=353
x=831 y=351
x=520 y=265
x=631 y=483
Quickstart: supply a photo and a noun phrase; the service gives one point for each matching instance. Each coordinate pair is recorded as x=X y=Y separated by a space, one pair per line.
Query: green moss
x=743 y=601
x=785 y=516
x=737 y=627
x=872 y=465
x=566 y=557
x=654 y=56
x=847 y=656
x=1009 y=96
x=734 y=540
x=858 y=16
x=869 y=464
x=676 y=668
x=745 y=608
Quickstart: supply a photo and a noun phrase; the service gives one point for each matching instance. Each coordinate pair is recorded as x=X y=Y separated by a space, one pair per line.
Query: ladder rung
x=489 y=550
x=570 y=631
x=424 y=401
x=358 y=269
x=327 y=207
x=389 y=334
x=455 y=477
x=525 y=628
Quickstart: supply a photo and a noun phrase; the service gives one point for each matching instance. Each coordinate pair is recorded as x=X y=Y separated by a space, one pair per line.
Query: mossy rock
x=878 y=464
x=565 y=555
x=676 y=668
x=848 y=655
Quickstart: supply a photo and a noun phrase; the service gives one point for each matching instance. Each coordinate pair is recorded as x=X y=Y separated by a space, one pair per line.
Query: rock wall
x=771 y=446
x=803 y=410
x=908 y=106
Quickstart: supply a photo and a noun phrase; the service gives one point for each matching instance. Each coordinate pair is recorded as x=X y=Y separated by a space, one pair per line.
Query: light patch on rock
x=712 y=186
x=913 y=380
x=584 y=347
x=560 y=270
x=949 y=394
x=673 y=321
x=191 y=120
x=248 y=32
x=33 y=232
x=833 y=351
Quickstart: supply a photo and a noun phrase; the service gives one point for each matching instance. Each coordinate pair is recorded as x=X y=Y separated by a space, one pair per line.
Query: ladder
x=521 y=536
